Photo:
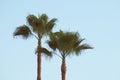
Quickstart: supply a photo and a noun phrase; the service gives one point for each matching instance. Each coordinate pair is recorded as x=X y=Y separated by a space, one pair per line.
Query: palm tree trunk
x=39 y=62
x=63 y=69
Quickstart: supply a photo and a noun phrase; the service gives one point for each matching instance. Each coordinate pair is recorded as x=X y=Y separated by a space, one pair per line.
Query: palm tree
x=67 y=43
x=37 y=27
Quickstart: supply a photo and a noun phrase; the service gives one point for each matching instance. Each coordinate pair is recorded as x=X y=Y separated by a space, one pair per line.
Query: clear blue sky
x=98 y=21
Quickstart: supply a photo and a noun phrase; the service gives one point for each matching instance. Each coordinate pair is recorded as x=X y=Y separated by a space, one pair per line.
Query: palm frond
x=82 y=48
x=44 y=17
x=23 y=31
x=52 y=42
x=85 y=46
x=33 y=22
x=50 y=25
x=44 y=51
x=78 y=42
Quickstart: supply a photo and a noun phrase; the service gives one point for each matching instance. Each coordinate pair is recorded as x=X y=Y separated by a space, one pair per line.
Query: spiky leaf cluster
x=67 y=43
x=39 y=26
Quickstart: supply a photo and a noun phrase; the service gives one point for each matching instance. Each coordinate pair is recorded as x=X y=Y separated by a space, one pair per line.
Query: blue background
x=98 y=21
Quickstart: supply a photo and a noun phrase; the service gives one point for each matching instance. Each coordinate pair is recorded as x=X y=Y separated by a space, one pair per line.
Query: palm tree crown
x=67 y=43
x=37 y=26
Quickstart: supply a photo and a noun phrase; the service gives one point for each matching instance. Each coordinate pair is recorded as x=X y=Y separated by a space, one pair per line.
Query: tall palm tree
x=67 y=43
x=37 y=27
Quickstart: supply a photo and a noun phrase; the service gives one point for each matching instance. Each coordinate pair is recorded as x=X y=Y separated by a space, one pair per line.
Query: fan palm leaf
x=23 y=31
x=43 y=50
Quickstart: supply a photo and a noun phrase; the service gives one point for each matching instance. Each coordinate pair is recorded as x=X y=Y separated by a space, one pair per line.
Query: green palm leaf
x=33 y=22
x=50 y=25
x=23 y=31
x=44 y=17
x=44 y=50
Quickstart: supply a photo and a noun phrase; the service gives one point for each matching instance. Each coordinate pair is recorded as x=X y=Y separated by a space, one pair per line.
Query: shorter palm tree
x=67 y=43
x=37 y=27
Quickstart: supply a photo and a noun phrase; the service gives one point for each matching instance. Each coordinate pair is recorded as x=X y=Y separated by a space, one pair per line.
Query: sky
x=98 y=21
